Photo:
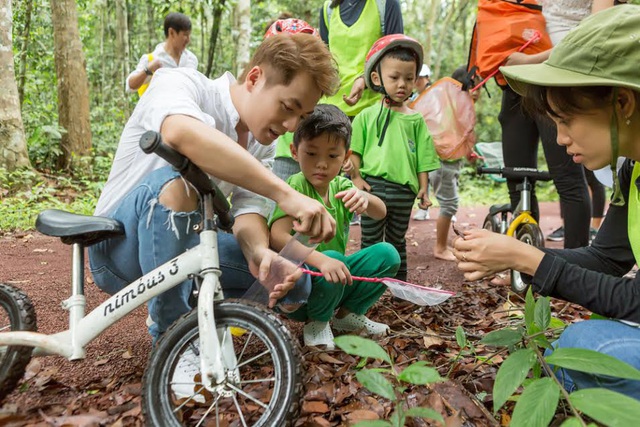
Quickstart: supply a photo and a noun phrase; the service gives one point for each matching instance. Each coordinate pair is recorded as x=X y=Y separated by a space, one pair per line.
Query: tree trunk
x=445 y=25
x=122 y=41
x=243 y=14
x=151 y=26
x=73 y=86
x=215 y=29
x=431 y=22
x=26 y=34
x=13 y=146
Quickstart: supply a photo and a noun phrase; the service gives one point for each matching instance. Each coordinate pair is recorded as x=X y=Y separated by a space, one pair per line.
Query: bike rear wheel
x=264 y=388
x=16 y=314
x=531 y=235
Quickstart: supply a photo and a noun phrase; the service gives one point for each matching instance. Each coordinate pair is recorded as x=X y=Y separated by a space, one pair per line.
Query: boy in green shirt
x=321 y=146
x=392 y=149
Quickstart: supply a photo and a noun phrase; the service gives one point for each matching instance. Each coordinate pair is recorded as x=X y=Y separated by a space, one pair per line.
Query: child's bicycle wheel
x=263 y=388
x=531 y=235
x=16 y=314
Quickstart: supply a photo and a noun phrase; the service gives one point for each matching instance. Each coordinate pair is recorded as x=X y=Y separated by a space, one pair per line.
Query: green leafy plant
x=389 y=382
x=541 y=393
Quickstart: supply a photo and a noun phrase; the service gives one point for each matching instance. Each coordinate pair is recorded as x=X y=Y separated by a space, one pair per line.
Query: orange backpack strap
x=145 y=85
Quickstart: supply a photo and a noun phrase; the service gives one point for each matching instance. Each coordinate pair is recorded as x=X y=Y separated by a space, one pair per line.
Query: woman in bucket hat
x=590 y=87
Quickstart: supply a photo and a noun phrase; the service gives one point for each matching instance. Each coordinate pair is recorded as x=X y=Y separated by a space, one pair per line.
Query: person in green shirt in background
x=393 y=151
x=321 y=146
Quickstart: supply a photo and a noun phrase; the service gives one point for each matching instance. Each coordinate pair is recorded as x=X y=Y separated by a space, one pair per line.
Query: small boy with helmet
x=393 y=151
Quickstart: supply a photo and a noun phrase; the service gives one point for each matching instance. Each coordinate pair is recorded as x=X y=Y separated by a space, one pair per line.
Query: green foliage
x=539 y=396
x=27 y=193
x=386 y=382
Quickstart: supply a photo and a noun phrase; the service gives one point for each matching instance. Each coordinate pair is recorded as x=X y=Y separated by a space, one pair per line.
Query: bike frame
x=522 y=213
x=201 y=261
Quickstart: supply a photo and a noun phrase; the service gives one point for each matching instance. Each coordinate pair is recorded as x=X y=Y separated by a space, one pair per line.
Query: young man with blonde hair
x=226 y=127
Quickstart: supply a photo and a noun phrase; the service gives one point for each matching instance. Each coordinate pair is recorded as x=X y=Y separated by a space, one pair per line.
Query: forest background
x=63 y=65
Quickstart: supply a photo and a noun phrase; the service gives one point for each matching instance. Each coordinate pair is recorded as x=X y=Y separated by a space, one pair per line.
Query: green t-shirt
x=282 y=145
x=407 y=148
x=337 y=210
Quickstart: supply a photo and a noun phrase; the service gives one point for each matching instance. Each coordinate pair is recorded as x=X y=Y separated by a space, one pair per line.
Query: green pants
x=379 y=260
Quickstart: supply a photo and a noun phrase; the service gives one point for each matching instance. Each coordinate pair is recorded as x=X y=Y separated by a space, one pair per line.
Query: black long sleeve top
x=592 y=276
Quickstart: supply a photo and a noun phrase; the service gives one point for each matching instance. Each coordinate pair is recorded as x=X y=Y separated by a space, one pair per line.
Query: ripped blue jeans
x=154 y=235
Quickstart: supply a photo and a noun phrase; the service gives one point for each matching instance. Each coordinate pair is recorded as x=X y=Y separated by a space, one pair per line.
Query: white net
x=420 y=295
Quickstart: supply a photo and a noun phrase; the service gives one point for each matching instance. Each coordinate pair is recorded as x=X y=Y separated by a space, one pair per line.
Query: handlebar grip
x=517 y=173
x=151 y=142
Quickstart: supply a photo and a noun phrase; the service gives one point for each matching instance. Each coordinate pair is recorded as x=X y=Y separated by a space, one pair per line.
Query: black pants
x=520 y=133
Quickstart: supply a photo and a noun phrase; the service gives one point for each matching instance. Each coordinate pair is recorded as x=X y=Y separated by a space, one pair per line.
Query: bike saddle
x=72 y=228
x=496 y=209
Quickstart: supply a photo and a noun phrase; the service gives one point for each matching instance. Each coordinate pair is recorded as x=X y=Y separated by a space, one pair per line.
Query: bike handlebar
x=151 y=142
x=517 y=173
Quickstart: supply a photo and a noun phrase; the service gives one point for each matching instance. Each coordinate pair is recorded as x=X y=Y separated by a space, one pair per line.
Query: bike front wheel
x=263 y=387
x=492 y=223
x=531 y=235
x=16 y=314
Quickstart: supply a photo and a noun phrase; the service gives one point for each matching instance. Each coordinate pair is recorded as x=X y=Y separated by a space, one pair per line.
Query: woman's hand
x=482 y=253
x=356 y=92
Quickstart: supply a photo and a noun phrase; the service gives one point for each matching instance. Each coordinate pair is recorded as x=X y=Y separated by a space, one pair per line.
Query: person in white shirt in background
x=172 y=53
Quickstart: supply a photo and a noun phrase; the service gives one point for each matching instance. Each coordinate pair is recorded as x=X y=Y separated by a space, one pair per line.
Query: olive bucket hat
x=604 y=50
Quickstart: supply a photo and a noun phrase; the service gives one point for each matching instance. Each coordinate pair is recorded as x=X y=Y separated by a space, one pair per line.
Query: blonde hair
x=284 y=56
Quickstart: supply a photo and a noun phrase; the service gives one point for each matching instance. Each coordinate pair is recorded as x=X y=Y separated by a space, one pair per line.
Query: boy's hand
x=310 y=217
x=335 y=271
x=423 y=199
x=360 y=183
x=355 y=200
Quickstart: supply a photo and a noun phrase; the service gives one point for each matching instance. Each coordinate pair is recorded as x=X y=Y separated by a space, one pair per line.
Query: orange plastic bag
x=450 y=117
x=502 y=28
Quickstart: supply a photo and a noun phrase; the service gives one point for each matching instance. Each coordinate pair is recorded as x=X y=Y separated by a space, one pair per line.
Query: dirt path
x=104 y=388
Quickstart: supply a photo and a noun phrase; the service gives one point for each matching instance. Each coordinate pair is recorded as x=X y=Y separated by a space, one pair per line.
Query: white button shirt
x=186 y=92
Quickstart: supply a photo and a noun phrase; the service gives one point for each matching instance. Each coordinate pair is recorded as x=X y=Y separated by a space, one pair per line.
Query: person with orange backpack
x=172 y=53
x=505 y=32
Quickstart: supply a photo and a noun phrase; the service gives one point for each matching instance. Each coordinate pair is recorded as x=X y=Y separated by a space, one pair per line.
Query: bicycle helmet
x=381 y=47
x=291 y=26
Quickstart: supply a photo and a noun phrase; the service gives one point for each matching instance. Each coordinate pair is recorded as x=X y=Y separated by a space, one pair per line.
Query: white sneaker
x=356 y=322
x=318 y=333
x=422 y=215
x=186 y=383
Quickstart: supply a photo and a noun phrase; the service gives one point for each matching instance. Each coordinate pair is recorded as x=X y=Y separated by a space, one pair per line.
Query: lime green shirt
x=282 y=145
x=407 y=148
x=349 y=45
x=337 y=210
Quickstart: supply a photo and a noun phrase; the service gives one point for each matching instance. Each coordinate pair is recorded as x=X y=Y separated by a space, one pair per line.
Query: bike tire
x=531 y=235
x=16 y=314
x=492 y=223
x=161 y=404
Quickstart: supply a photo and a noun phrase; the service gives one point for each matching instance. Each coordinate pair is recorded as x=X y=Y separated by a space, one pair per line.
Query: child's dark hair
x=403 y=54
x=177 y=21
x=327 y=119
